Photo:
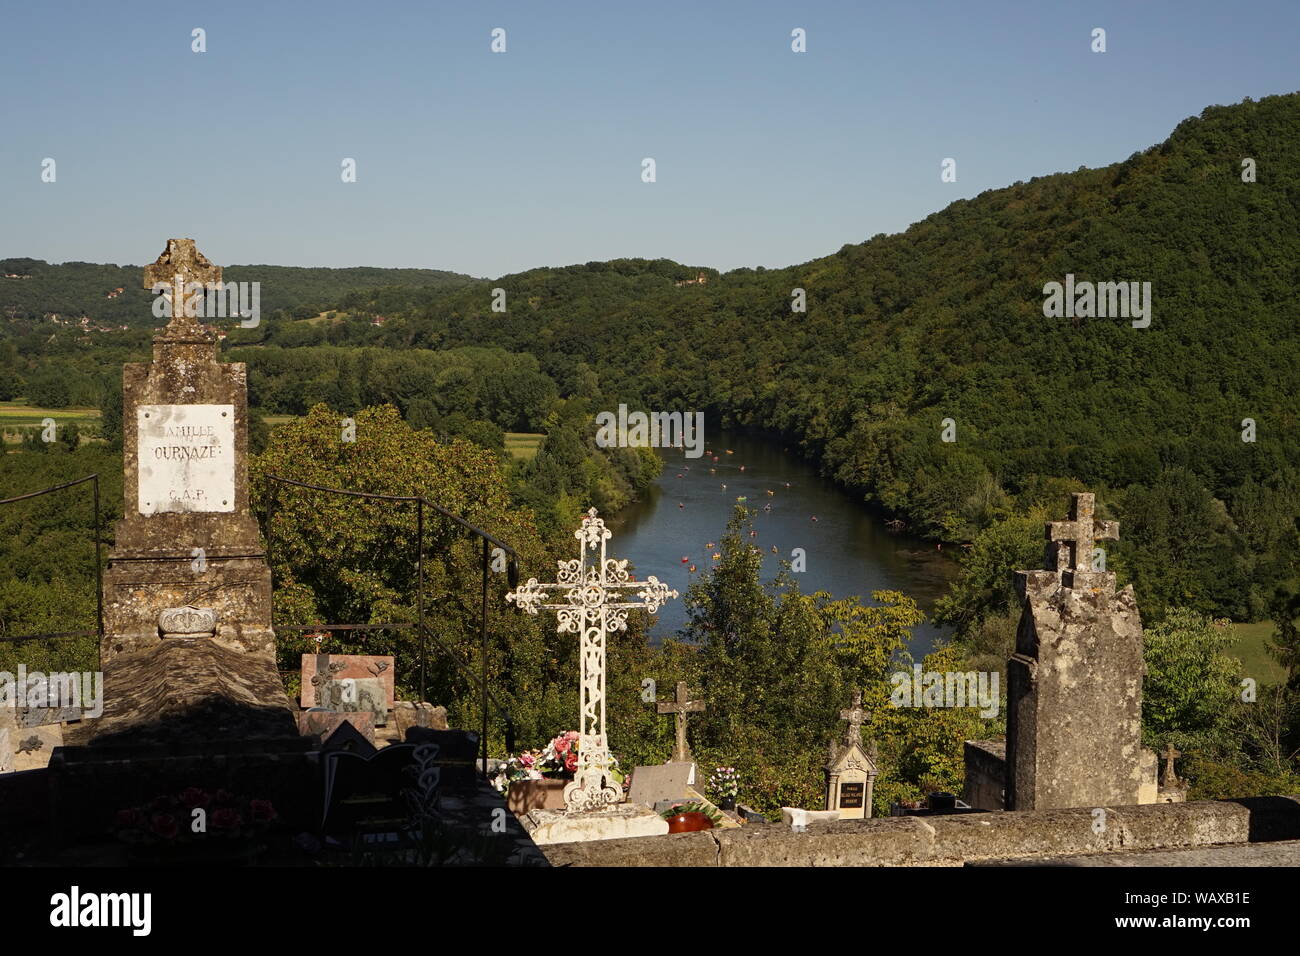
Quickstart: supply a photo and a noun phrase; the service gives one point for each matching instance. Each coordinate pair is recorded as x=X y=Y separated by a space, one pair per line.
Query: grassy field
x=16 y=415
x=523 y=445
x=1254 y=657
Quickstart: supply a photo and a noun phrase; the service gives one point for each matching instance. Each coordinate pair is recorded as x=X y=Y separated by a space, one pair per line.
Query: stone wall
x=954 y=840
x=986 y=774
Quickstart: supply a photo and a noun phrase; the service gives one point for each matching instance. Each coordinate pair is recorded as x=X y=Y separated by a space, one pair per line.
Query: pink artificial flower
x=571 y=762
x=193 y=797
x=226 y=818
x=164 y=824
x=561 y=745
x=526 y=760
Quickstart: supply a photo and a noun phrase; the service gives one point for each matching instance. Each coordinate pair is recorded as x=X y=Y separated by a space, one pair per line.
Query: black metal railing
x=419 y=625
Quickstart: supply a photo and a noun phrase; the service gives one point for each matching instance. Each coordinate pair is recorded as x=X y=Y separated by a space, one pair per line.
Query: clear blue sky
x=493 y=163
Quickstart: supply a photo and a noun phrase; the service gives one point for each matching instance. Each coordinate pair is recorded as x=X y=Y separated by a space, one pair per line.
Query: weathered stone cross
x=1171 y=778
x=591 y=608
x=855 y=715
x=682 y=750
x=1074 y=539
x=181 y=265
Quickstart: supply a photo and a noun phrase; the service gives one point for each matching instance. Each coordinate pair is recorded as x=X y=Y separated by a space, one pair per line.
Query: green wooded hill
x=942 y=322
x=946 y=320
x=74 y=289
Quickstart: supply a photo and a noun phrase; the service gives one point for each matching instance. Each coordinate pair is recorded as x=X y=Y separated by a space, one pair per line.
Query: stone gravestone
x=1074 y=721
x=851 y=770
x=408 y=714
x=188 y=651
x=652 y=785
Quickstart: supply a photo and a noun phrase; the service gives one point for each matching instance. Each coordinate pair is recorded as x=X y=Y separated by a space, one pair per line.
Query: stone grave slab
x=610 y=823
x=407 y=714
x=653 y=784
x=40 y=716
x=34 y=745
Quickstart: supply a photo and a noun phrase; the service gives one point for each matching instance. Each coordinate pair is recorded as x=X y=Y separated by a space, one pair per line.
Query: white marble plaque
x=186 y=458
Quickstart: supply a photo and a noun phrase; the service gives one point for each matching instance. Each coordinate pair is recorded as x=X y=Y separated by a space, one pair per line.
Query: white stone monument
x=851 y=770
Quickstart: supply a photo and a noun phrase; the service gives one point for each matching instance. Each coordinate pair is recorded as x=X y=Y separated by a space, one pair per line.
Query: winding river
x=848 y=549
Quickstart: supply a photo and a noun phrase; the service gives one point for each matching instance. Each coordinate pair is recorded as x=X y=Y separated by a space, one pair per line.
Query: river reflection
x=849 y=551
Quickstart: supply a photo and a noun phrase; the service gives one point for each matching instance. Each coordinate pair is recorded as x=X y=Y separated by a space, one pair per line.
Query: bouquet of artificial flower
x=724 y=783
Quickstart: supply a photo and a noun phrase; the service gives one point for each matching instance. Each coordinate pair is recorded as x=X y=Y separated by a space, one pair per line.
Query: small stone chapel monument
x=851 y=770
x=1074 y=721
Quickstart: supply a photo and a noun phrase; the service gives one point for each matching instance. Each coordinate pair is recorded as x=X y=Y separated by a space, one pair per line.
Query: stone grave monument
x=1074 y=721
x=188 y=652
x=851 y=769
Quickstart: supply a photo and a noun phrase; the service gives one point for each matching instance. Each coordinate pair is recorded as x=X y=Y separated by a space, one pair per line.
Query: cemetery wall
x=953 y=840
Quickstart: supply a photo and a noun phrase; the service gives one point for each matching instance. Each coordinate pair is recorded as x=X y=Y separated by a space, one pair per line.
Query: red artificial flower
x=571 y=762
x=226 y=818
x=261 y=810
x=164 y=825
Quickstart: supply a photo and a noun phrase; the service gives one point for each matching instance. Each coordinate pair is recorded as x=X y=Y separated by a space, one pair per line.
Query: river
x=849 y=551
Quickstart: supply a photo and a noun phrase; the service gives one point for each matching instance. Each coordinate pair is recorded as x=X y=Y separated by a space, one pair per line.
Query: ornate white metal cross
x=592 y=608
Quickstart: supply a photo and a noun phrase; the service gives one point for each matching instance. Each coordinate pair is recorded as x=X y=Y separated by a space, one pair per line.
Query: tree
x=346 y=560
x=1190 y=687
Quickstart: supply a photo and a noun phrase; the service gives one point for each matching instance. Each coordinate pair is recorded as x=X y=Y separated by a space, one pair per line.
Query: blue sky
x=493 y=163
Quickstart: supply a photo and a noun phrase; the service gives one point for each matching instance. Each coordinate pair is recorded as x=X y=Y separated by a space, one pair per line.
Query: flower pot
x=727 y=803
x=688 y=822
x=525 y=795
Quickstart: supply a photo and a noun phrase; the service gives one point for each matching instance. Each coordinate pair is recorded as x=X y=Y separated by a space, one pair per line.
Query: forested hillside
x=946 y=321
x=902 y=332
x=112 y=295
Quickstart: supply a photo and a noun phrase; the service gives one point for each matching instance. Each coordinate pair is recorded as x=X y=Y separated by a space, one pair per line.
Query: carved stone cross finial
x=181 y=265
x=682 y=707
x=855 y=715
x=1070 y=543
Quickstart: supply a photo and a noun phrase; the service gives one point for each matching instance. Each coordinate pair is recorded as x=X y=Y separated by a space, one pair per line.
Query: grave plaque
x=186 y=456
x=850 y=795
